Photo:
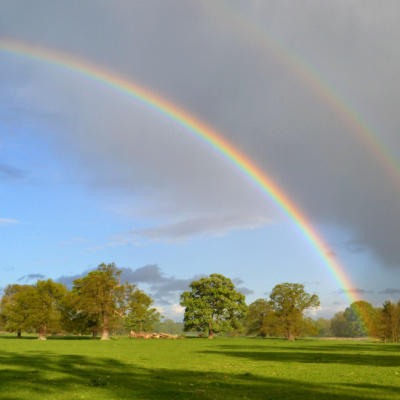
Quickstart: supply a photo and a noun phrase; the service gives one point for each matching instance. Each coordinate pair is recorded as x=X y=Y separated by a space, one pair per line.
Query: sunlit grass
x=223 y=368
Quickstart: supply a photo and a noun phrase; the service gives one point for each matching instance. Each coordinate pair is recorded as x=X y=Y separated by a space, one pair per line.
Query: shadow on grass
x=55 y=337
x=318 y=347
x=52 y=376
x=351 y=355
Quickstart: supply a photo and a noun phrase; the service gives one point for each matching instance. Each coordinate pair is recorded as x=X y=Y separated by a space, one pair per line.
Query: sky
x=306 y=90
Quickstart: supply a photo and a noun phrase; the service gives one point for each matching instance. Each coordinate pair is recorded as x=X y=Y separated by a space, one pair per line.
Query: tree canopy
x=141 y=316
x=289 y=301
x=213 y=304
x=14 y=308
x=101 y=295
x=258 y=318
x=45 y=302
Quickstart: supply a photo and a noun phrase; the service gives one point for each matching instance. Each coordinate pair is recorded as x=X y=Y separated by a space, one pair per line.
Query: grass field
x=223 y=368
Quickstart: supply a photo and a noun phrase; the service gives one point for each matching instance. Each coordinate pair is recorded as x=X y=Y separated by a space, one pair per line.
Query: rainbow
x=321 y=88
x=196 y=128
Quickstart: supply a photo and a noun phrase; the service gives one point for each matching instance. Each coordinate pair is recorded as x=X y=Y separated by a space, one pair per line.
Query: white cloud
x=7 y=221
x=74 y=241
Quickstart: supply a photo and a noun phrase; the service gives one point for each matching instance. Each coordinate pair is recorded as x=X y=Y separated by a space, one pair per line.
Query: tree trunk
x=42 y=333
x=94 y=334
x=210 y=334
x=290 y=336
x=105 y=328
x=19 y=335
x=104 y=335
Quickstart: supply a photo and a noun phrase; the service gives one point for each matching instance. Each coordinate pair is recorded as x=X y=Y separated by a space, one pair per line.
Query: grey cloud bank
x=164 y=290
x=230 y=76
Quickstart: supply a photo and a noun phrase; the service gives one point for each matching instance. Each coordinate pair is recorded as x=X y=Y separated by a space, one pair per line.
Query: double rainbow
x=320 y=87
x=194 y=127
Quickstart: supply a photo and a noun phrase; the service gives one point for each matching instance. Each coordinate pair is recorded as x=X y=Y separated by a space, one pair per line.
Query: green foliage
x=339 y=324
x=324 y=327
x=98 y=295
x=45 y=303
x=14 y=308
x=102 y=297
x=74 y=320
x=389 y=317
x=213 y=304
x=289 y=301
x=170 y=327
x=362 y=319
x=141 y=317
x=258 y=318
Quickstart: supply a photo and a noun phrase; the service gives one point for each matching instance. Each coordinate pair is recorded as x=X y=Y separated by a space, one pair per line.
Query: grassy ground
x=223 y=368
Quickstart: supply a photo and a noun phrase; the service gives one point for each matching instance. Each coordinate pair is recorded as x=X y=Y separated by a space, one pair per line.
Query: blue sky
x=88 y=176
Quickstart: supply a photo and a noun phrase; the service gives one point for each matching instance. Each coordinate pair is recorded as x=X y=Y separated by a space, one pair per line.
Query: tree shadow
x=53 y=337
x=313 y=355
x=298 y=346
x=50 y=376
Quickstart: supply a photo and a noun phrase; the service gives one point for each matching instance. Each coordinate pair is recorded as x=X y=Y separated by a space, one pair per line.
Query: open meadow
x=194 y=368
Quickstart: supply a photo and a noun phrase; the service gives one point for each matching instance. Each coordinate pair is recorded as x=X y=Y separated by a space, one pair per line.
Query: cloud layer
x=164 y=290
x=242 y=73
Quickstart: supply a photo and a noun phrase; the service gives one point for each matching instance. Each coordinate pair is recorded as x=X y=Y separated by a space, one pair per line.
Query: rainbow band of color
x=196 y=128
x=321 y=88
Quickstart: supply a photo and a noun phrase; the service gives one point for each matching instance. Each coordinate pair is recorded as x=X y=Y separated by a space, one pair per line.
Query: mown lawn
x=223 y=368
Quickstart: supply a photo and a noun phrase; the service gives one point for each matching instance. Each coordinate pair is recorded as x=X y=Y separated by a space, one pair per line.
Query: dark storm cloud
x=146 y=274
x=8 y=172
x=390 y=291
x=162 y=288
x=30 y=277
x=244 y=290
x=68 y=280
x=228 y=74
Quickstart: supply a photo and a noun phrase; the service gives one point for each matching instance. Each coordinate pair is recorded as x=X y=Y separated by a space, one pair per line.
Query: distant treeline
x=361 y=319
x=99 y=304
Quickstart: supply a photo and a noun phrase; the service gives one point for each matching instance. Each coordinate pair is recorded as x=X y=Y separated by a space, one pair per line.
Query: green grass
x=223 y=368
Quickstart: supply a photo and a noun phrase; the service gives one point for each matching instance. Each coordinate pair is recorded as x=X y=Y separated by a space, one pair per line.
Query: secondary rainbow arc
x=195 y=127
x=329 y=95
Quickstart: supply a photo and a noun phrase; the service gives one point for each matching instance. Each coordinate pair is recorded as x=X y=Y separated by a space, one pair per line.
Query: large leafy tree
x=390 y=321
x=213 y=304
x=14 y=308
x=259 y=317
x=289 y=301
x=101 y=294
x=141 y=316
x=339 y=325
x=45 y=299
x=362 y=319
x=74 y=320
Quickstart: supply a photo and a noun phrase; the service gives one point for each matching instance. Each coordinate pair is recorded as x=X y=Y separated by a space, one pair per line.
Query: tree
x=390 y=321
x=258 y=318
x=169 y=326
x=141 y=317
x=45 y=299
x=101 y=294
x=362 y=319
x=289 y=301
x=14 y=308
x=74 y=320
x=339 y=325
x=324 y=326
x=213 y=304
